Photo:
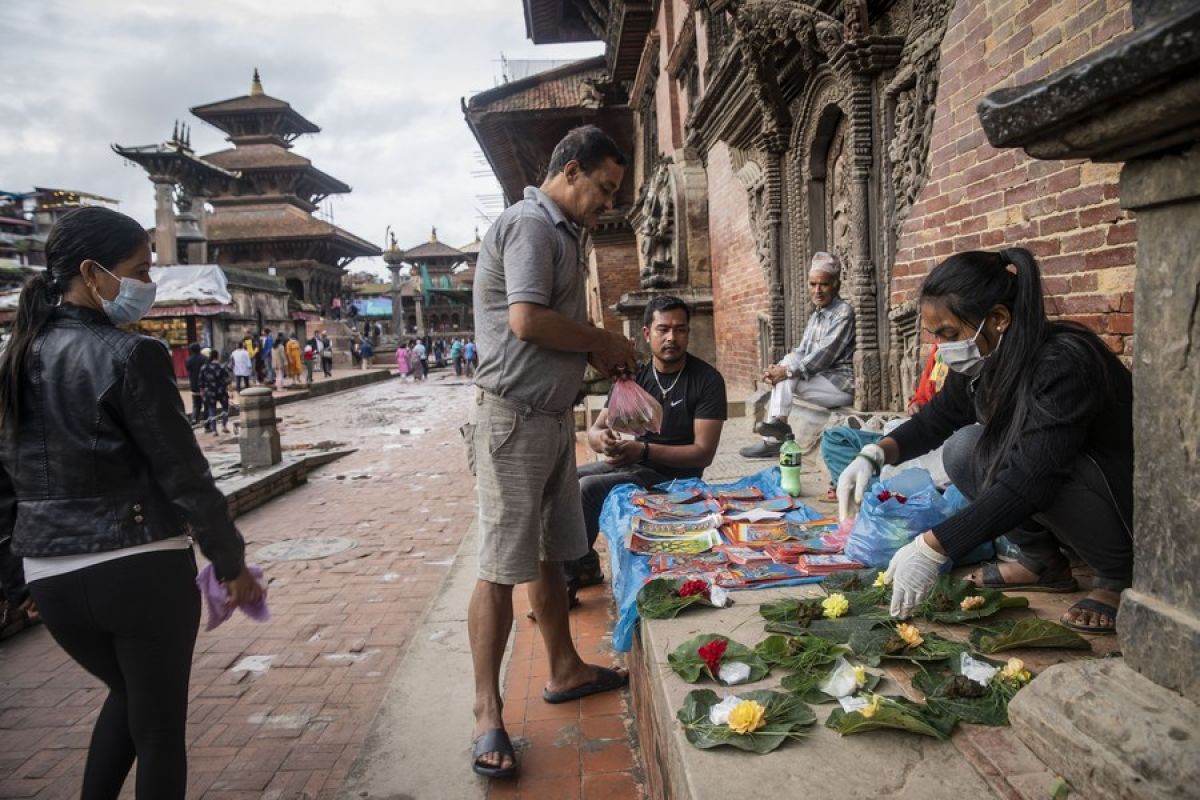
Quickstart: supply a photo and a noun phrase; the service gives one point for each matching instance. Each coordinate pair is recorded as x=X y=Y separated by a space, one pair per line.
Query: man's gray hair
x=827 y=263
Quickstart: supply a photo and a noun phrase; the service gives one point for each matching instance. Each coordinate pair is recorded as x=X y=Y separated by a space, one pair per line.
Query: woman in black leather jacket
x=103 y=487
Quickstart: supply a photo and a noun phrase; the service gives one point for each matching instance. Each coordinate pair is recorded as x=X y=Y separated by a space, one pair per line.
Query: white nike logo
x=677 y=402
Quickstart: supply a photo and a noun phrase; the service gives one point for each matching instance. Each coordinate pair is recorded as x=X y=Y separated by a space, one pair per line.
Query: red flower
x=884 y=496
x=693 y=587
x=711 y=654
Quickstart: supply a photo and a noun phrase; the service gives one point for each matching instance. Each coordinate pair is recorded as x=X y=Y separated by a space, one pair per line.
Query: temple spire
x=256 y=85
x=433 y=236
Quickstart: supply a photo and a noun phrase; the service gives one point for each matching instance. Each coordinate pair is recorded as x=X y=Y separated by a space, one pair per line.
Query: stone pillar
x=258 y=436
x=201 y=210
x=164 y=220
x=859 y=59
x=1127 y=729
x=397 y=300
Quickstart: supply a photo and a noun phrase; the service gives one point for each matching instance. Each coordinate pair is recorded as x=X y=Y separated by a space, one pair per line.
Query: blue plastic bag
x=884 y=526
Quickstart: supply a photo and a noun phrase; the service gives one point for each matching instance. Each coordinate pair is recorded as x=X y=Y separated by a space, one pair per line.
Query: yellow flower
x=1014 y=672
x=909 y=633
x=879 y=581
x=747 y=717
x=860 y=676
x=835 y=605
x=973 y=602
x=872 y=707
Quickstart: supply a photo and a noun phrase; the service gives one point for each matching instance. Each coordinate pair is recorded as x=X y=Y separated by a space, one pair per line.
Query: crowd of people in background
x=412 y=357
x=282 y=360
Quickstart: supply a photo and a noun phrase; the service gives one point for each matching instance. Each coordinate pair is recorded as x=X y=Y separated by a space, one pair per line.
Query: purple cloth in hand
x=216 y=597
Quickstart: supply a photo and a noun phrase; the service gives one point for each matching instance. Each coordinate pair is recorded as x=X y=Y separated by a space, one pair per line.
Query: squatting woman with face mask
x=101 y=483
x=1037 y=419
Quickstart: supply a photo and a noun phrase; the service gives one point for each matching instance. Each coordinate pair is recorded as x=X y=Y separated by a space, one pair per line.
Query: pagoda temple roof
x=518 y=124
x=250 y=157
x=257 y=103
x=280 y=221
x=434 y=251
x=257 y=156
x=215 y=113
x=558 y=21
x=177 y=160
x=472 y=248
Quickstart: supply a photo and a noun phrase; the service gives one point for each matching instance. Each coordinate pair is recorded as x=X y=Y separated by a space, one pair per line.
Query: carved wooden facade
x=827 y=109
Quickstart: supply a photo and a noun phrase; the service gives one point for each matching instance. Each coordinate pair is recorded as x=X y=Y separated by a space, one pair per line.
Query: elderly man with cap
x=821 y=369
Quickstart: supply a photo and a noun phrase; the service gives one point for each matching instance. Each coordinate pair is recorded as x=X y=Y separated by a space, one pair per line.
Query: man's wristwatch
x=645 y=453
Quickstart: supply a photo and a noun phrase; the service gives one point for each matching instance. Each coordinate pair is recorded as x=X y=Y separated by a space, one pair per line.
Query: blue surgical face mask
x=133 y=301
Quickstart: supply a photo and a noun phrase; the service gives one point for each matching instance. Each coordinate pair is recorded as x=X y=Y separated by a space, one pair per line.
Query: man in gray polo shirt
x=534 y=343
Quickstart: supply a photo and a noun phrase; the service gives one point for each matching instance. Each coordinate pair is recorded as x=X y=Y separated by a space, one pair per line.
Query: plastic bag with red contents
x=631 y=409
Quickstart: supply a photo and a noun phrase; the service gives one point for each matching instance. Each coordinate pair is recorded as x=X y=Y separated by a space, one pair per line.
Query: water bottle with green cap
x=789 y=466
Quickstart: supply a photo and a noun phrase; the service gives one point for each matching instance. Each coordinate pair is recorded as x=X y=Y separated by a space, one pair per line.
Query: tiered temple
x=438 y=300
x=263 y=197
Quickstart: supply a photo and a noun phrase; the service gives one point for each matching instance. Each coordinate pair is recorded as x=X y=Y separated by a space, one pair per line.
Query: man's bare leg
x=489 y=623
x=548 y=596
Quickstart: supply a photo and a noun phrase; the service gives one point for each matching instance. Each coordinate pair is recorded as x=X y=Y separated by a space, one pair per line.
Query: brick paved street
x=280 y=710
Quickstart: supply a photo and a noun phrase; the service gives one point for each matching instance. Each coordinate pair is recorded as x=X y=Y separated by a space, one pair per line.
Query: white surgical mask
x=133 y=301
x=963 y=356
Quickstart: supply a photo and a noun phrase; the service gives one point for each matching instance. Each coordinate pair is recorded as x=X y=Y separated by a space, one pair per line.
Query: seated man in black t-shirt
x=692 y=394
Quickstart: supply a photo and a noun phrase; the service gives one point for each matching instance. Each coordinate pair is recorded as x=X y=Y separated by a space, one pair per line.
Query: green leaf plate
x=786 y=717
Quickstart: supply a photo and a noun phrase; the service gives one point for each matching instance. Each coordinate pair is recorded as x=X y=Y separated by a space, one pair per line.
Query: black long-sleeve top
x=1082 y=420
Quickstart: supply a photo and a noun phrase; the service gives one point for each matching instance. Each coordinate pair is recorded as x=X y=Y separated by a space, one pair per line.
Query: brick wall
x=614 y=268
x=976 y=197
x=739 y=283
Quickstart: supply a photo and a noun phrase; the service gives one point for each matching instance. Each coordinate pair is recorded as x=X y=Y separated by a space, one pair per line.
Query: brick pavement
x=571 y=751
x=280 y=710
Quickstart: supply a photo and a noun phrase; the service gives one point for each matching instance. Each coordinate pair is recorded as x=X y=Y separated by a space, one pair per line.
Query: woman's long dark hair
x=92 y=232
x=969 y=285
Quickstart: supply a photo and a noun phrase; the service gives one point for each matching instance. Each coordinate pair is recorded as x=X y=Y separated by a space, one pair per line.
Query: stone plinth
x=1159 y=622
x=1131 y=737
x=258 y=436
x=1128 y=730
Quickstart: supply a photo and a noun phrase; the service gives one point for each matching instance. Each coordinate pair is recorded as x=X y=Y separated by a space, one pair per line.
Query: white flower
x=733 y=672
x=841 y=681
x=719 y=714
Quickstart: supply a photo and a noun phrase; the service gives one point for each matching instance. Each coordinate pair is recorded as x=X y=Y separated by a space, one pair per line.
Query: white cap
x=827 y=263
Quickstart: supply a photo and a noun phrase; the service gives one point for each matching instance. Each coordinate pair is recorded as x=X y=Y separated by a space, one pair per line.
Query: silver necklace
x=666 y=391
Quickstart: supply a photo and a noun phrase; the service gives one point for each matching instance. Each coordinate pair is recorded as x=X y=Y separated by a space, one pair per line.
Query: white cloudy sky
x=383 y=79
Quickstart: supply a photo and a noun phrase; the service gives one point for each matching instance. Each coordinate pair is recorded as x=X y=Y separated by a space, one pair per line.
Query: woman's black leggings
x=1083 y=516
x=132 y=623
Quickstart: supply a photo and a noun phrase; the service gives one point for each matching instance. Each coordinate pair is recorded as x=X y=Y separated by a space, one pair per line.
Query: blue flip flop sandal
x=606 y=680
x=493 y=741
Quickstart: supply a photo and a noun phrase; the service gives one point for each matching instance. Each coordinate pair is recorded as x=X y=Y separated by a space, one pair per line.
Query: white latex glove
x=913 y=571
x=855 y=479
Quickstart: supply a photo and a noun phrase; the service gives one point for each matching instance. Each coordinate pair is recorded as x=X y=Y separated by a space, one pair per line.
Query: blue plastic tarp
x=631 y=570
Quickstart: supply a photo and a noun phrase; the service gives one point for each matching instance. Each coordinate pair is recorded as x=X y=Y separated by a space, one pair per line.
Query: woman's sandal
x=1096 y=607
x=494 y=741
x=1058 y=582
